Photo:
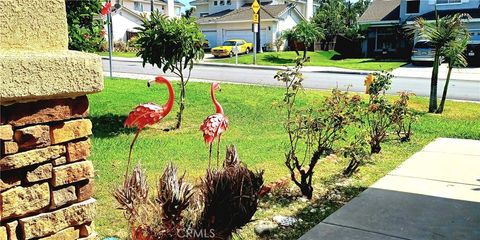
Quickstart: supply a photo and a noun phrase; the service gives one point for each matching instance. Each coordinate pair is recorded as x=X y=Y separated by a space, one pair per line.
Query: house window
x=385 y=39
x=222 y=2
x=413 y=6
x=448 y=1
x=215 y=3
x=137 y=6
x=229 y=2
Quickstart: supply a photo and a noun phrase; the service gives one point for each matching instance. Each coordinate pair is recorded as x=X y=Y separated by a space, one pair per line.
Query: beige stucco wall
x=28 y=76
x=33 y=25
x=35 y=62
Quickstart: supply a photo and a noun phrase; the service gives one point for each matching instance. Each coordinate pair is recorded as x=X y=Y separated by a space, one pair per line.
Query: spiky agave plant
x=230 y=197
x=173 y=196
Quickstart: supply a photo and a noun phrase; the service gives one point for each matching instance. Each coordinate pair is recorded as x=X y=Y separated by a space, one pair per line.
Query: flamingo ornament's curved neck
x=171 y=97
x=218 y=107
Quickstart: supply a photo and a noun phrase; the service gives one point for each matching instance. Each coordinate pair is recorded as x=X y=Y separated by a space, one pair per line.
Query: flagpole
x=110 y=40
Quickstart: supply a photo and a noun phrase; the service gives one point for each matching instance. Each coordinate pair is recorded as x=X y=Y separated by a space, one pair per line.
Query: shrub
x=84 y=32
x=403 y=117
x=120 y=46
x=305 y=33
x=224 y=202
x=172 y=44
x=312 y=132
x=279 y=43
x=357 y=152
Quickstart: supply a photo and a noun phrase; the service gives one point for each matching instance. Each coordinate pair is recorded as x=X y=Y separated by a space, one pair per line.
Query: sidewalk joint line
x=436 y=180
x=365 y=230
x=466 y=154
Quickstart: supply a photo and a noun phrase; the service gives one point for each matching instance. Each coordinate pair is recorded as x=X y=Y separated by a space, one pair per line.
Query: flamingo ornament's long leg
x=218 y=147
x=210 y=155
x=130 y=153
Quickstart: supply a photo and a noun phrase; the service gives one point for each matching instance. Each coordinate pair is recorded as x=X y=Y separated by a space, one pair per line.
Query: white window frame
x=449 y=2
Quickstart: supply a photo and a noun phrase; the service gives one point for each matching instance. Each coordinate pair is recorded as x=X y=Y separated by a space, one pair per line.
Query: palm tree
x=440 y=33
x=453 y=52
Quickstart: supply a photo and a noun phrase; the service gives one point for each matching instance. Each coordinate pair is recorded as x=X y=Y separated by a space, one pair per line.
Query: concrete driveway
x=435 y=194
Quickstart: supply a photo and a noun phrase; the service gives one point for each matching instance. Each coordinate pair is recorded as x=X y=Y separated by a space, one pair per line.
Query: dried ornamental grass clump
x=223 y=203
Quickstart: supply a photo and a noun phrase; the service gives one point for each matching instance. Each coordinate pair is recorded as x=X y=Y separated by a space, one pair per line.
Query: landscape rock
x=284 y=220
x=44 y=111
x=265 y=227
x=12 y=230
x=3 y=232
x=42 y=172
x=31 y=157
x=78 y=150
x=49 y=223
x=70 y=130
x=69 y=233
x=63 y=196
x=9 y=147
x=21 y=201
x=33 y=137
x=73 y=172
x=59 y=161
x=6 y=132
x=86 y=230
x=85 y=190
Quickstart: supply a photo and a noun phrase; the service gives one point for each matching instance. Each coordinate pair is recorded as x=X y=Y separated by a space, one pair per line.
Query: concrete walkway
x=435 y=194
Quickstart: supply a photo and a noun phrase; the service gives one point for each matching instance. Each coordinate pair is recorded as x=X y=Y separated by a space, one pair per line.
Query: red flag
x=106 y=8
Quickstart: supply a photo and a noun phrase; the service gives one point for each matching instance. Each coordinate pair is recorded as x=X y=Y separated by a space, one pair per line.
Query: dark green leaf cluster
x=172 y=44
x=84 y=32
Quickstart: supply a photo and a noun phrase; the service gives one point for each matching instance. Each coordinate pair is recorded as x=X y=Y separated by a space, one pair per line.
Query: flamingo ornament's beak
x=149 y=83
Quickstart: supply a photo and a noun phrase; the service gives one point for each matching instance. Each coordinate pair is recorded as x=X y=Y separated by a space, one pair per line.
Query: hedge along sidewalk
x=438 y=185
x=408 y=71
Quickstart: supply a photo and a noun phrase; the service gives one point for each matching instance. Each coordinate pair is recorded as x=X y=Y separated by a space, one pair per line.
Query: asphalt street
x=458 y=89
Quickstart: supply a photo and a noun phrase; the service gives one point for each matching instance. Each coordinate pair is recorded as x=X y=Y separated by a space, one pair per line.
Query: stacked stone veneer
x=46 y=179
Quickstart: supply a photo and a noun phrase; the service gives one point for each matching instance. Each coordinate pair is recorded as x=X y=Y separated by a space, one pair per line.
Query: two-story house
x=127 y=18
x=386 y=20
x=221 y=20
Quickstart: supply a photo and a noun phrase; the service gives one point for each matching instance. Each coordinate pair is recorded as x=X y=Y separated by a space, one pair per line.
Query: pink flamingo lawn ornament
x=214 y=125
x=148 y=113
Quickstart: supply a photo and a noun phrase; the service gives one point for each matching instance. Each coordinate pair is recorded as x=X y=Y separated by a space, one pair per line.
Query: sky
x=187 y=4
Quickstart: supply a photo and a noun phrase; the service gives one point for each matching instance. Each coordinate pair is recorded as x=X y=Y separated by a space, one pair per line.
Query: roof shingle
x=381 y=10
x=245 y=13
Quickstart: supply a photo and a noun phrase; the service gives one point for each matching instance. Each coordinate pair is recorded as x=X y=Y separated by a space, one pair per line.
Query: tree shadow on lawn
x=278 y=60
x=109 y=125
x=337 y=195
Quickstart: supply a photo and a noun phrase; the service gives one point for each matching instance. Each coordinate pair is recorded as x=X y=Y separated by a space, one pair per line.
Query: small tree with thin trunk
x=453 y=52
x=173 y=44
x=443 y=31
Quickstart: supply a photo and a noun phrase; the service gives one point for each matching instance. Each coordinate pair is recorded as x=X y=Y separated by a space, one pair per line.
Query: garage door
x=211 y=36
x=246 y=35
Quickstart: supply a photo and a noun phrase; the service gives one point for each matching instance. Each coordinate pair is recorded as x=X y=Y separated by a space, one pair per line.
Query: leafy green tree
x=189 y=13
x=453 y=52
x=173 y=44
x=84 y=32
x=306 y=33
x=331 y=19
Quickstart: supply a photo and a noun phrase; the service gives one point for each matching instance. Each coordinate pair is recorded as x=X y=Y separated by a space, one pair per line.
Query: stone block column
x=46 y=179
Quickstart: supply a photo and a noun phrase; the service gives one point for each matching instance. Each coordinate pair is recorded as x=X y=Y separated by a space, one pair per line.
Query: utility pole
x=255 y=29
x=259 y=47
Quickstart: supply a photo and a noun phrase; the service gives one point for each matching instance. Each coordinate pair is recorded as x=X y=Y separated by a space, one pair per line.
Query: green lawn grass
x=256 y=129
x=322 y=58
x=119 y=54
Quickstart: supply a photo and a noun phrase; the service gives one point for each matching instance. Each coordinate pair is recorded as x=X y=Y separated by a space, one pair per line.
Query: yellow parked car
x=226 y=49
